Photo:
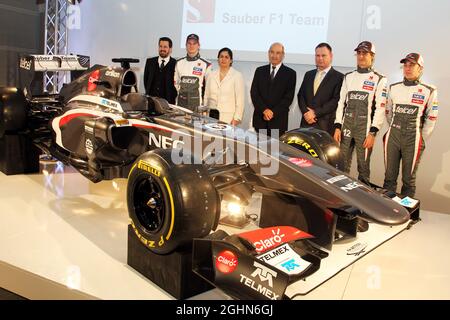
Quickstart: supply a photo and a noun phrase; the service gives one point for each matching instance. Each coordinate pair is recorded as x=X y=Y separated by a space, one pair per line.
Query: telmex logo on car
x=286 y=259
x=265 y=275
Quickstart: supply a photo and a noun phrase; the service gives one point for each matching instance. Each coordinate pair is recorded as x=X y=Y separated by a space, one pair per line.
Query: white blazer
x=227 y=96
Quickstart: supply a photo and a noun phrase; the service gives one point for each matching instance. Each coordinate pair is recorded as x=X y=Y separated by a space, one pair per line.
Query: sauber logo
x=226 y=262
x=200 y=11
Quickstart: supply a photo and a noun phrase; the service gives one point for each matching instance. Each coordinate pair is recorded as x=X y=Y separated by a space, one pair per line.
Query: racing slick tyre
x=170 y=204
x=315 y=142
x=13 y=110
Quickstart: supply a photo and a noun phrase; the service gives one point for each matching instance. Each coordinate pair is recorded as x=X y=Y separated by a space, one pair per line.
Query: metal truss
x=56 y=40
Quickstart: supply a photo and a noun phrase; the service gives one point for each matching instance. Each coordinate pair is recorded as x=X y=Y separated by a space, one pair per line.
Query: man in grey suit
x=318 y=96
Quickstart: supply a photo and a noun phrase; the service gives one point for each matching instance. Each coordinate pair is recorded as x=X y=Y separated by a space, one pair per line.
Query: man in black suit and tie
x=159 y=72
x=272 y=92
x=318 y=96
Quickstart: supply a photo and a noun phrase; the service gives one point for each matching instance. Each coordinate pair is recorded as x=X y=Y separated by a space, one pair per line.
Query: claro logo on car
x=265 y=244
x=226 y=262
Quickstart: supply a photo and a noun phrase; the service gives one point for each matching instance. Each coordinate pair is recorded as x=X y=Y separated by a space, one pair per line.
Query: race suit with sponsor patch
x=190 y=76
x=360 y=110
x=411 y=111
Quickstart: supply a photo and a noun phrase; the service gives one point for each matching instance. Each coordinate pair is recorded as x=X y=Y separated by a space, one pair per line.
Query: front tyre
x=170 y=204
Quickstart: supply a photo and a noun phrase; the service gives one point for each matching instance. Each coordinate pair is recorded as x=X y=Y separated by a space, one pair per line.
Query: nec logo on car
x=163 y=141
x=200 y=11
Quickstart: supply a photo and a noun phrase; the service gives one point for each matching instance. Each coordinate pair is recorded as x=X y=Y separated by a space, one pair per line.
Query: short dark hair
x=228 y=50
x=324 y=44
x=166 y=39
x=230 y=53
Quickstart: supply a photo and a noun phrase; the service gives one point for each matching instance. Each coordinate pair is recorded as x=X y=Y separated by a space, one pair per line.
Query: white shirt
x=227 y=95
x=166 y=60
x=323 y=73
x=324 y=70
x=277 y=67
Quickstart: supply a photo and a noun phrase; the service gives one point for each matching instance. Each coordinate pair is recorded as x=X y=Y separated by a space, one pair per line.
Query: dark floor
x=7 y=295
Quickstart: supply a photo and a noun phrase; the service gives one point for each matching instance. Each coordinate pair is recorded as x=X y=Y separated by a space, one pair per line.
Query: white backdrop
x=105 y=29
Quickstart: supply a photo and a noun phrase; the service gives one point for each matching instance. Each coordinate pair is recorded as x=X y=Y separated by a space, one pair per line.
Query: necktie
x=272 y=74
x=162 y=64
x=318 y=80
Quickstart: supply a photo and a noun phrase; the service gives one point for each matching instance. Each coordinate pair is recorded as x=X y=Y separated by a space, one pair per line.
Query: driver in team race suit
x=412 y=111
x=191 y=73
x=360 y=112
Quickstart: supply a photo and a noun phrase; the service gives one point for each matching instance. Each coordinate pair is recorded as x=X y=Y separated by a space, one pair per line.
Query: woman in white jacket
x=225 y=89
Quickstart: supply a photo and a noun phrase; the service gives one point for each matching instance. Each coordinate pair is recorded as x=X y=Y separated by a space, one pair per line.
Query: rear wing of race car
x=30 y=64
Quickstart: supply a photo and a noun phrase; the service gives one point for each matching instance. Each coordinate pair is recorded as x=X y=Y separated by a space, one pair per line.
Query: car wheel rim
x=149 y=204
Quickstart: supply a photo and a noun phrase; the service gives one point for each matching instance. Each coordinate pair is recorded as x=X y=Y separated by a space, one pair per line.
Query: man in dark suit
x=159 y=72
x=318 y=96
x=272 y=92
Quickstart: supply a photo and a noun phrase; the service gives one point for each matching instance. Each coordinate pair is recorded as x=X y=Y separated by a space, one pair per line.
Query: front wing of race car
x=278 y=262
x=258 y=264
